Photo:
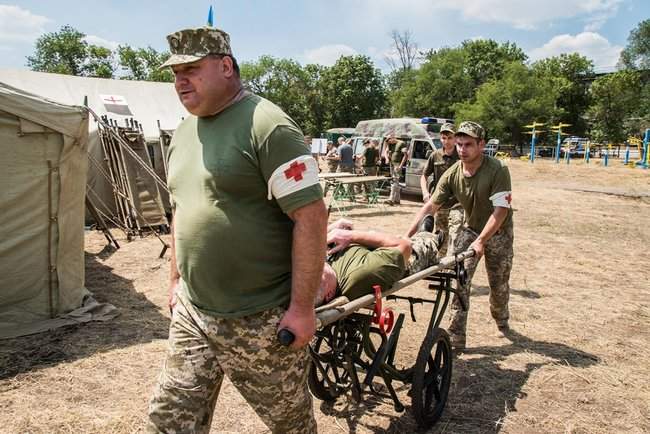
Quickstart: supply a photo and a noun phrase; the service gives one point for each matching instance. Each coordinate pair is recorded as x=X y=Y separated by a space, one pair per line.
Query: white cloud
x=101 y=42
x=589 y=44
x=521 y=14
x=20 y=25
x=328 y=54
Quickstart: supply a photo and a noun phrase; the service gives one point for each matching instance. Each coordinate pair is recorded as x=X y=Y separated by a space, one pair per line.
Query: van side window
x=421 y=150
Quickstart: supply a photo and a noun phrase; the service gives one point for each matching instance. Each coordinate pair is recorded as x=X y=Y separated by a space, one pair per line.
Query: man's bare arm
x=174 y=275
x=307 y=257
x=429 y=208
x=424 y=187
x=491 y=227
x=373 y=239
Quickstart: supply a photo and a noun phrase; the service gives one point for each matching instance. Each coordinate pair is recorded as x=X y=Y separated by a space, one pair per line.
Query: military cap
x=448 y=127
x=190 y=45
x=471 y=129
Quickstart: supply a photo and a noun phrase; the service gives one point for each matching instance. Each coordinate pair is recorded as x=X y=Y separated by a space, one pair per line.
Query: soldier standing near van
x=345 y=153
x=369 y=160
x=395 y=152
x=449 y=218
x=482 y=185
x=332 y=157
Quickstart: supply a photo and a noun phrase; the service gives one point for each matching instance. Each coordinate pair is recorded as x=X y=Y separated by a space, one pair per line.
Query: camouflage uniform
x=204 y=348
x=424 y=251
x=450 y=222
x=498 y=264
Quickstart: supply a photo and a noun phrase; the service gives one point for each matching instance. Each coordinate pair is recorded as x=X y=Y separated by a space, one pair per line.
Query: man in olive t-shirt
x=359 y=259
x=247 y=248
x=481 y=184
x=449 y=218
x=396 y=154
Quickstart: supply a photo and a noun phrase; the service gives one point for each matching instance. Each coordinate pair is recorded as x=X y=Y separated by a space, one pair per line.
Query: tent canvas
x=154 y=105
x=42 y=188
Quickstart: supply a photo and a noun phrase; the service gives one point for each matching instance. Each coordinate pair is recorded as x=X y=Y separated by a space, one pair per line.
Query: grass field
x=576 y=360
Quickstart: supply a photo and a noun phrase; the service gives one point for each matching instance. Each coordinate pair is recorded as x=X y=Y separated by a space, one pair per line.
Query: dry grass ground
x=576 y=359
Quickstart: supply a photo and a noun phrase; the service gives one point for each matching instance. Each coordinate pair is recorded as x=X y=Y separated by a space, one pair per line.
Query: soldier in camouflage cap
x=471 y=129
x=449 y=218
x=481 y=184
x=359 y=259
x=190 y=45
x=237 y=221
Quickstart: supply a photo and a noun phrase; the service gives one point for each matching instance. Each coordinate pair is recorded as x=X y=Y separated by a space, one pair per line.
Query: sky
x=319 y=31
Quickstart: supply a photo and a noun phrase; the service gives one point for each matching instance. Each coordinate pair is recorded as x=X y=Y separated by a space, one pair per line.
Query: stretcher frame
x=345 y=357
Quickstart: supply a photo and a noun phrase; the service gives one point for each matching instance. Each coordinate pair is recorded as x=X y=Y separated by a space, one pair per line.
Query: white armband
x=292 y=176
x=501 y=199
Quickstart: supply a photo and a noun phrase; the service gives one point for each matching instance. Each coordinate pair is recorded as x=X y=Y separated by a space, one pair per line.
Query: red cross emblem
x=509 y=198
x=112 y=99
x=295 y=171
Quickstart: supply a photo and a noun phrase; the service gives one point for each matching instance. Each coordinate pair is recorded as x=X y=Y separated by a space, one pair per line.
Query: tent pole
x=50 y=220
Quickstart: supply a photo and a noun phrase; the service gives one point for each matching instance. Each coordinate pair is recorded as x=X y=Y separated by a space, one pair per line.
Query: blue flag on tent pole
x=210 y=17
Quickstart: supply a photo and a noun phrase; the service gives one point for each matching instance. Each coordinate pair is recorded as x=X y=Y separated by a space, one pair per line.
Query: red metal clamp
x=382 y=317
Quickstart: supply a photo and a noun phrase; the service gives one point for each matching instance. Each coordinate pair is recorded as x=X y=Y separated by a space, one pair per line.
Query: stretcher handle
x=286 y=337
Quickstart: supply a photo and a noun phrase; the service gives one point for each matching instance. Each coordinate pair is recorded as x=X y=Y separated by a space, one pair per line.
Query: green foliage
x=567 y=73
x=61 y=52
x=636 y=55
x=505 y=105
x=285 y=83
x=143 y=64
x=353 y=90
x=615 y=98
x=486 y=59
x=432 y=90
x=99 y=62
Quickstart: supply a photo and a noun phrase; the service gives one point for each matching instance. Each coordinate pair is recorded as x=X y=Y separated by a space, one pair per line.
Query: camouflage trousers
x=450 y=222
x=369 y=187
x=395 y=189
x=424 y=251
x=498 y=263
x=203 y=348
x=332 y=166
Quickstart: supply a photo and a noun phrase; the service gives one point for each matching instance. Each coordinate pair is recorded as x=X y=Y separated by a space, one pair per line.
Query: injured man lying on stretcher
x=357 y=260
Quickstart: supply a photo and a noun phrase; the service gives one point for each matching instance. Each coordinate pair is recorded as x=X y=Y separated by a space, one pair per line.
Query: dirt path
x=575 y=361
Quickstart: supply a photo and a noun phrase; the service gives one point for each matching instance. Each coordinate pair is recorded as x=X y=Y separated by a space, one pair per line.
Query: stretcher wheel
x=431 y=378
x=328 y=375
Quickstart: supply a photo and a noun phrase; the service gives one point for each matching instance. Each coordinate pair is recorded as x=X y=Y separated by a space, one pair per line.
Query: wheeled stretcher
x=356 y=341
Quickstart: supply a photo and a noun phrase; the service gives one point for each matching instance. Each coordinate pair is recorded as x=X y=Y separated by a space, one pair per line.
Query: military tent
x=154 y=105
x=42 y=188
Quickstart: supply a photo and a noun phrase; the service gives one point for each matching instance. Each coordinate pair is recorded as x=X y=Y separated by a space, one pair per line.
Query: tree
x=433 y=89
x=486 y=59
x=406 y=50
x=353 y=91
x=143 y=64
x=636 y=55
x=282 y=81
x=614 y=101
x=64 y=52
x=505 y=105
x=99 y=62
x=567 y=73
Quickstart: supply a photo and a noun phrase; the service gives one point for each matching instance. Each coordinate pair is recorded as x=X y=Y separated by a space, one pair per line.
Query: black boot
x=426 y=225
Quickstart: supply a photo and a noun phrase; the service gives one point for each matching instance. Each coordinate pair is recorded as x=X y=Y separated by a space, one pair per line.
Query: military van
x=421 y=135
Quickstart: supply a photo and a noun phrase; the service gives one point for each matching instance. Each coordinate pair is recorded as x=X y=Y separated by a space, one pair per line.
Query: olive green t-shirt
x=370 y=156
x=397 y=152
x=233 y=243
x=437 y=164
x=358 y=268
x=474 y=192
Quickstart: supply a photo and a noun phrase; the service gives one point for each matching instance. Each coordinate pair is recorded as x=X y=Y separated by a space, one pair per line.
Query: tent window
x=152 y=155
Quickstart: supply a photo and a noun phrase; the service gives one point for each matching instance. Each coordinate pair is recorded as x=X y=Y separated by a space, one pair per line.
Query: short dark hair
x=235 y=65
